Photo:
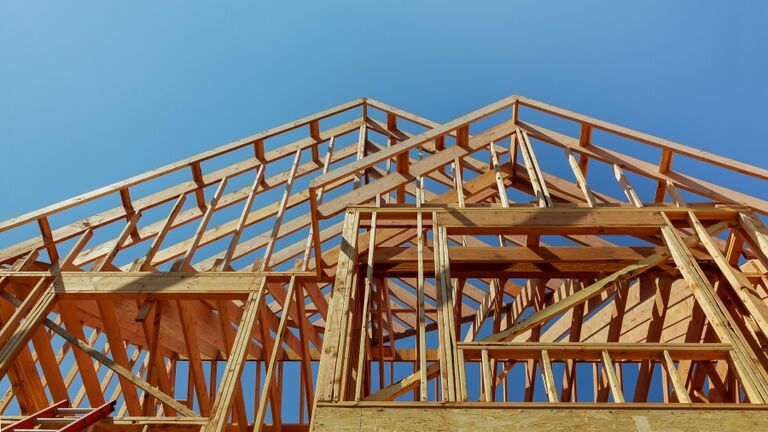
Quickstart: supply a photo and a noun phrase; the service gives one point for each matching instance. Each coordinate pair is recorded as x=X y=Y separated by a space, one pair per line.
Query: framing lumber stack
x=367 y=268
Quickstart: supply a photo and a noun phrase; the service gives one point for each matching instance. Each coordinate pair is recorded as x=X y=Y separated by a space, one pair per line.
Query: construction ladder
x=60 y=417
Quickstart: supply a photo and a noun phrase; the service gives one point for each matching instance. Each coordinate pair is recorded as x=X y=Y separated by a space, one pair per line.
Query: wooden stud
x=677 y=383
x=580 y=179
x=549 y=377
x=613 y=381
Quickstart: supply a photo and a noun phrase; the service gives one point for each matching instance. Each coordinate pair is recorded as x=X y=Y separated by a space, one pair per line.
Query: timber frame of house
x=384 y=271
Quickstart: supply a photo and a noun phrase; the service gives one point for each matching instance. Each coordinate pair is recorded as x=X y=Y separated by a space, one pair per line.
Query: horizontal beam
x=522 y=254
x=561 y=221
x=586 y=351
x=129 y=285
x=536 y=417
x=487 y=261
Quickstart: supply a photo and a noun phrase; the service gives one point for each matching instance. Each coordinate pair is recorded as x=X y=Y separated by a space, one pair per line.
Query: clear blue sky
x=93 y=92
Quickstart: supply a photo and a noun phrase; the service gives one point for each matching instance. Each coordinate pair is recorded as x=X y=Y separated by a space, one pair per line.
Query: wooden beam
x=585 y=294
x=566 y=221
x=264 y=263
x=333 y=340
x=534 y=171
x=613 y=381
x=103 y=359
x=752 y=379
x=117 y=348
x=276 y=348
x=235 y=362
x=580 y=178
x=649 y=139
x=373 y=159
x=189 y=331
x=548 y=377
x=677 y=383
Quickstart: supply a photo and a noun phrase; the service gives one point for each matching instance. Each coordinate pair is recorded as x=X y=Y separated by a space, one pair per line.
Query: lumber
x=405 y=264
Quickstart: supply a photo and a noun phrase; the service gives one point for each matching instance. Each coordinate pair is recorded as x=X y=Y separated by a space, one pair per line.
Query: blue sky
x=93 y=92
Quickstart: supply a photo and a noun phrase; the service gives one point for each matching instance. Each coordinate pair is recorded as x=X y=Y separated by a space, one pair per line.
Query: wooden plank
x=157 y=373
x=421 y=337
x=197 y=178
x=149 y=175
x=117 y=348
x=235 y=362
x=549 y=377
x=534 y=171
x=448 y=322
x=693 y=184
x=306 y=369
x=363 y=334
x=499 y=179
x=537 y=417
x=189 y=331
x=106 y=260
x=24 y=378
x=228 y=335
x=173 y=192
x=740 y=284
x=662 y=288
x=480 y=259
x=82 y=346
x=225 y=261
x=565 y=221
x=49 y=364
x=756 y=235
x=486 y=375
x=677 y=383
x=588 y=292
x=314 y=237
x=264 y=263
x=416 y=169
x=613 y=381
x=85 y=366
x=401 y=387
x=146 y=263
x=412 y=143
x=186 y=261
x=314 y=133
x=664 y=144
x=19 y=326
x=333 y=342
x=580 y=178
x=675 y=194
x=361 y=140
x=752 y=379
x=276 y=348
x=47 y=236
x=629 y=191
x=169 y=286
x=592 y=351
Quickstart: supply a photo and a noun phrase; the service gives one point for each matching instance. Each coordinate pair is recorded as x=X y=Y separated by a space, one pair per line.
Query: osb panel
x=336 y=418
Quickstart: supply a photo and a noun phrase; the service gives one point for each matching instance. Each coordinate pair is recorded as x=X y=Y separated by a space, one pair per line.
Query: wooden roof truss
x=366 y=255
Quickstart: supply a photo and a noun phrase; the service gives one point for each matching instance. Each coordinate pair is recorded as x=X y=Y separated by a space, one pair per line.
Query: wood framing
x=374 y=265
